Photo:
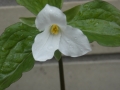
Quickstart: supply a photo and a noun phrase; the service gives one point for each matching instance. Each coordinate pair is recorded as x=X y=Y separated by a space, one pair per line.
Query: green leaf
x=30 y=21
x=35 y=6
x=57 y=55
x=99 y=21
x=71 y=13
x=15 y=53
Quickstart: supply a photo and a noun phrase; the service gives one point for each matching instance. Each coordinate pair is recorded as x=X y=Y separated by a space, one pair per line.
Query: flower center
x=54 y=29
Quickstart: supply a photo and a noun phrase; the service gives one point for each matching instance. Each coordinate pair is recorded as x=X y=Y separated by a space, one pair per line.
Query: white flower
x=57 y=35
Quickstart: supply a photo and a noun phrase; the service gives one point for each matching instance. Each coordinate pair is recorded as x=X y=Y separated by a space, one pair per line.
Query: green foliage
x=15 y=53
x=30 y=21
x=71 y=13
x=35 y=6
x=99 y=21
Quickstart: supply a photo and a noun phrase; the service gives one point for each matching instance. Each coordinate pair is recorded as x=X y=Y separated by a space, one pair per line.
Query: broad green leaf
x=71 y=13
x=35 y=6
x=57 y=55
x=99 y=21
x=30 y=21
x=15 y=53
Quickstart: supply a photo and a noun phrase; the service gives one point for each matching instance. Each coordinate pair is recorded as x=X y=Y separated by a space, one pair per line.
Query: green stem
x=61 y=73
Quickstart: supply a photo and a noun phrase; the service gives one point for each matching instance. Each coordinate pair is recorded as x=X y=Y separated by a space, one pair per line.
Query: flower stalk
x=61 y=73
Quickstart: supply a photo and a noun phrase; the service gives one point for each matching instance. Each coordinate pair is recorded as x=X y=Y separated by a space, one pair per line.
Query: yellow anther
x=54 y=29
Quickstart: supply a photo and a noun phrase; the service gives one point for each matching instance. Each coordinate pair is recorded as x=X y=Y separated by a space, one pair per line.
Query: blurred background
x=98 y=70
x=13 y=2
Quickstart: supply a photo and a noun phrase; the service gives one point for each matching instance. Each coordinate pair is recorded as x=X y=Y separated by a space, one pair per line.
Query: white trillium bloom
x=57 y=35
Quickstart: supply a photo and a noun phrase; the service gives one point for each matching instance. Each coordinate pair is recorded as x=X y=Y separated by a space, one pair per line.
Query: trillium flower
x=57 y=35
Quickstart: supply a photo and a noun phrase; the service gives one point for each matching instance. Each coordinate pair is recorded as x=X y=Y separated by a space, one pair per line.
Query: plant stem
x=61 y=73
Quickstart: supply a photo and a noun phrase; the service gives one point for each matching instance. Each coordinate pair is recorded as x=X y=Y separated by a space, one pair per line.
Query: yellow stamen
x=54 y=29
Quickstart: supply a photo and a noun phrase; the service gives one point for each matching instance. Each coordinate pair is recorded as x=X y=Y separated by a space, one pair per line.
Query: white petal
x=73 y=42
x=50 y=15
x=45 y=45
